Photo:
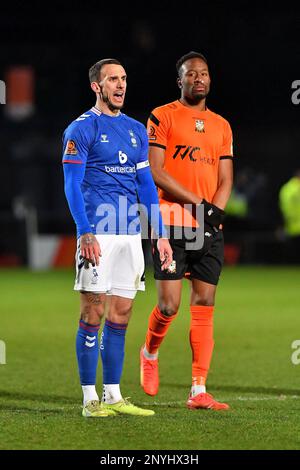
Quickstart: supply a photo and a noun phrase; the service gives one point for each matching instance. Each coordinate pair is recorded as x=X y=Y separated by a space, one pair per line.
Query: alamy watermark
x=2 y=92
x=187 y=221
x=295 y=357
x=296 y=94
x=2 y=352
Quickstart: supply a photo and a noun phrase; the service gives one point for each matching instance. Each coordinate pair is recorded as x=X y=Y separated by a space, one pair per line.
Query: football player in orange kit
x=191 y=161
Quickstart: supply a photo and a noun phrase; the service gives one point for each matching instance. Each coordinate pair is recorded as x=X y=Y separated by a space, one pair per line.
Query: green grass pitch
x=257 y=317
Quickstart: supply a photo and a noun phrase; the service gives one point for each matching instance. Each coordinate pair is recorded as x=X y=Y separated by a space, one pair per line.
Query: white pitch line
x=158 y=403
x=269 y=398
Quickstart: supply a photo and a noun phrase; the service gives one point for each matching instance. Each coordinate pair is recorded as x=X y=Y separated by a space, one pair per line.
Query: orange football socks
x=202 y=343
x=157 y=329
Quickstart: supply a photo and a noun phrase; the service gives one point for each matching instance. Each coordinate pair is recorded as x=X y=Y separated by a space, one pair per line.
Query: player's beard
x=200 y=96
x=195 y=97
x=193 y=100
x=112 y=107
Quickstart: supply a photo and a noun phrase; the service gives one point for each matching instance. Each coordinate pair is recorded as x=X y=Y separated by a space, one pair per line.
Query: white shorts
x=121 y=267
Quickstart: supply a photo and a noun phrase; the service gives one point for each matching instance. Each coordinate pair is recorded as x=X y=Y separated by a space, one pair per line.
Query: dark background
x=253 y=54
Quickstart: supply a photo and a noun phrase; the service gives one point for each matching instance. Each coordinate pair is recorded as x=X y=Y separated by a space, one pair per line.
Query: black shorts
x=192 y=264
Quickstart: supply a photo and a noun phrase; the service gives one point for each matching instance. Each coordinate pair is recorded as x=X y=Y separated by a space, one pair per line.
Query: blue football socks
x=112 y=349
x=87 y=352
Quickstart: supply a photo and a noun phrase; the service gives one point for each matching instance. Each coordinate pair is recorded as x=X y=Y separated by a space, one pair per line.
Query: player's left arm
x=148 y=197
x=225 y=174
x=214 y=212
x=225 y=181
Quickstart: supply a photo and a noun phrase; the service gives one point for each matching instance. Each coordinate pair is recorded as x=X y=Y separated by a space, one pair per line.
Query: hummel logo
x=210 y=212
x=91 y=338
x=82 y=117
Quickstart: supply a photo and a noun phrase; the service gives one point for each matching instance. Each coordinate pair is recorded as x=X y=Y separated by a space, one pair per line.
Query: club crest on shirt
x=199 y=125
x=172 y=268
x=94 y=279
x=132 y=138
x=71 y=148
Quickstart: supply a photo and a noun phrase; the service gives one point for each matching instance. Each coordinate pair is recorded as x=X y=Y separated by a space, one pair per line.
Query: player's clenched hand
x=213 y=215
x=165 y=253
x=90 y=248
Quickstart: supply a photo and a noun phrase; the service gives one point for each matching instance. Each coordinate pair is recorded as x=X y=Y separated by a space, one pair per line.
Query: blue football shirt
x=112 y=149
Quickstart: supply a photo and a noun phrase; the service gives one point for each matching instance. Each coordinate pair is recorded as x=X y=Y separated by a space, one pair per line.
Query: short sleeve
x=157 y=128
x=76 y=144
x=226 y=150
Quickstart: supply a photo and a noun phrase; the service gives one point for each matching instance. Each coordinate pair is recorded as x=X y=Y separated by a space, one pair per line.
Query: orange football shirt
x=194 y=143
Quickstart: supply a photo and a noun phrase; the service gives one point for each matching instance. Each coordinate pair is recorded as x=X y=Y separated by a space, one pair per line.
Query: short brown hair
x=94 y=71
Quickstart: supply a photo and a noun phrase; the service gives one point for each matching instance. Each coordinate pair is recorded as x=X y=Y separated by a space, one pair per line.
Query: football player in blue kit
x=106 y=173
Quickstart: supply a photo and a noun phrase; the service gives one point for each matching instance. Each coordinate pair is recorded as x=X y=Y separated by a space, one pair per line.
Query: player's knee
x=121 y=315
x=168 y=310
x=91 y=314
x=203 y=300
x=124 y=311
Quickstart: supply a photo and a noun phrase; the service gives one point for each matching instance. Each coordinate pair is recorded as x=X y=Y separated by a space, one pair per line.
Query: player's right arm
x=76 y=147
x=167 y=182
x=158 y=127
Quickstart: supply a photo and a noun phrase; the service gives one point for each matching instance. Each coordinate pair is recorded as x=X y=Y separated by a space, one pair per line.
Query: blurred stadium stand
x=251 y=88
